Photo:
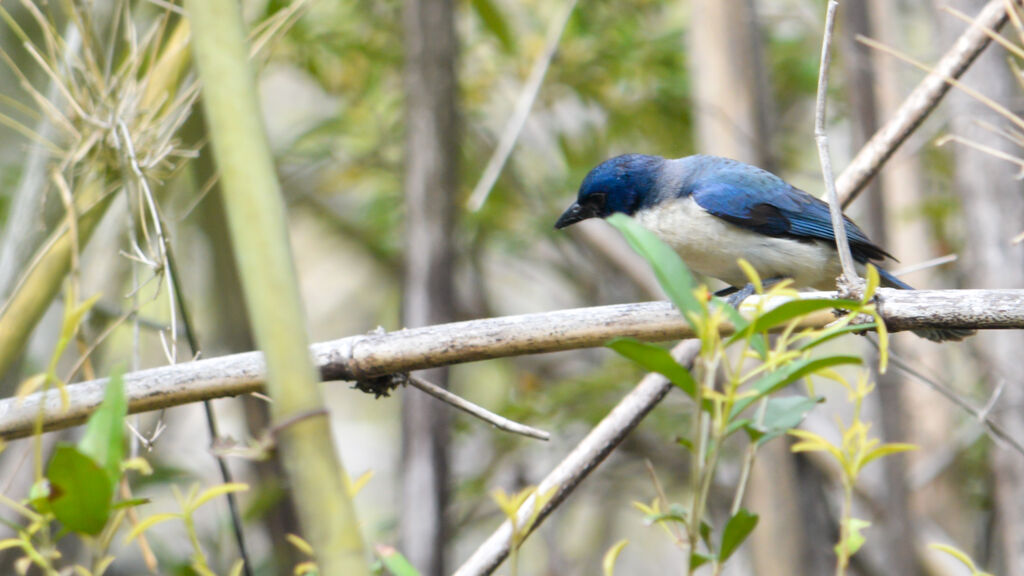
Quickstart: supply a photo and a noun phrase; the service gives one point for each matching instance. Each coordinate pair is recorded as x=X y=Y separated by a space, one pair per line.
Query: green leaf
x=697 y=560
x=685 y=443
x=673 y=275
x=743 y=424
x=789 y=373
x=608 y=562
x=736 y=531
x=963 y=558
x=835 y=332
x=394 y=562
x=854 y=536
x=80 y=490
x=495 y=23
x=39 y=495
x=705 y=532
x=795 y=309
x=781 y=415
x=149 y=523
x=132 y=503
x=658 y=360
x=104 y=434
x=675 y=513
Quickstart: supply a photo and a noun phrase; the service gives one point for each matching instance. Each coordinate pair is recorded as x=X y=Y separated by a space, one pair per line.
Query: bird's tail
x=933 y=334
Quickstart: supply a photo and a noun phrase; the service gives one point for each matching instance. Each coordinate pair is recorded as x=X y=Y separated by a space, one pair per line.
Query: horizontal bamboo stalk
x=367 y=356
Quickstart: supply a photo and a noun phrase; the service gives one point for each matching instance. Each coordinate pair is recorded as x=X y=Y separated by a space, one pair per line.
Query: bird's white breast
x=711 y=246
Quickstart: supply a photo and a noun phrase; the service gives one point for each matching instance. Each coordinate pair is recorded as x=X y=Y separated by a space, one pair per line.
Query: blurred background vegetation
x=667 y=77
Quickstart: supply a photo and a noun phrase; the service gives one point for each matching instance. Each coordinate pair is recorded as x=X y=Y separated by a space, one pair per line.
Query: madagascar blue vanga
x=714 y=211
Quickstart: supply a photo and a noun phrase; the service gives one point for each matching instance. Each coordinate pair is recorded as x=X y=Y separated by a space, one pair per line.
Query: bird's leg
x=726 y=291
x=735 y=296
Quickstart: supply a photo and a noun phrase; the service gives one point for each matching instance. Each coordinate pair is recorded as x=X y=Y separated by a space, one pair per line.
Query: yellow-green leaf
x=885 y=450
x=358 y=484
x=854 y=536
x=608 y=563
x=211 y=493
x=300 y=544
x=149 y=523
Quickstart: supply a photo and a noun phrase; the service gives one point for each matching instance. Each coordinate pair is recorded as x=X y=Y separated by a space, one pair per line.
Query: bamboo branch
x=920 y=102
x=367 y=356
x=587 y=455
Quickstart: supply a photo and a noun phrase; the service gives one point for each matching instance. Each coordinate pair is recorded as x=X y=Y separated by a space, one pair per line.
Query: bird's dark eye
x=596 y=199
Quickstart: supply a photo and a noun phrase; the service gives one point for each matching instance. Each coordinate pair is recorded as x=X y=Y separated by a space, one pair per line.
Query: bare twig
x=521 y=112
x=587 y=455
x=931 y=263
x=499 y=422
x=371 y=355
x=921 y=101
x=984 y=418
x=849 y=278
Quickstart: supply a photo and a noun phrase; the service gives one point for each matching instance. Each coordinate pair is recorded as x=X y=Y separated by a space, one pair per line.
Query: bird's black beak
x=572 y=215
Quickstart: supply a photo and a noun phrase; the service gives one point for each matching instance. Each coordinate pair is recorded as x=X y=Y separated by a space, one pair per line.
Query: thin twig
x=587 y=455
x=521 y=112
x=932 y=263
x=849 y=278
x=994 y=428
x=499 y=422
x=920 y=102
x=211 y=417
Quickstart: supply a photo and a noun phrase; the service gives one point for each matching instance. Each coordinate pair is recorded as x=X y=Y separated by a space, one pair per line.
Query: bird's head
x=622 y=184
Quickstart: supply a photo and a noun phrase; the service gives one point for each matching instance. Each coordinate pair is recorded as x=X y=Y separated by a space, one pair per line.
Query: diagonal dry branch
x=371 y=355
x=574 y=468
x=921 y=101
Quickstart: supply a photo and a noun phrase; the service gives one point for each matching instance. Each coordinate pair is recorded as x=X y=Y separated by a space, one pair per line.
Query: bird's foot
x=735 y=296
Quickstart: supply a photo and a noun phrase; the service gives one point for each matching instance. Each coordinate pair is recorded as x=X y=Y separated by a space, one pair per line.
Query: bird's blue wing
x=770 y=206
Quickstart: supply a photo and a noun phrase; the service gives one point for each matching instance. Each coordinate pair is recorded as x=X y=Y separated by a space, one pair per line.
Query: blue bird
x=713 y=211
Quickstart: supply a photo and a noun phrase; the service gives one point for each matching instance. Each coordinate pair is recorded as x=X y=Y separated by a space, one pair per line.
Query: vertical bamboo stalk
x=256 y=219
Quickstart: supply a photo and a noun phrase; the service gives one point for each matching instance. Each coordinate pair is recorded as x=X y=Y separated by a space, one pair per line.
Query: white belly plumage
x=711 y=246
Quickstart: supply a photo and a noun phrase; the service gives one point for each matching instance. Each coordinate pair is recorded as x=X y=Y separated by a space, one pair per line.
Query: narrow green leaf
x=705 y=532
x=789 y=373
x=685 y=443
x=742 y=424
x=835 y=332
x=736 y=531
x=219 y=490
x=495 y=22
x=394 y=562
x=794 y=309
x=697 y=560
x=658 y=360
x=675 y=513
x=873 y=281
x=673 y=275
x=104 y=434
x=959 y=555
x=739 y=323
x=132 y=503
x=149 y=523
x=80 y=490
x=608 y=562
x=782 y=415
